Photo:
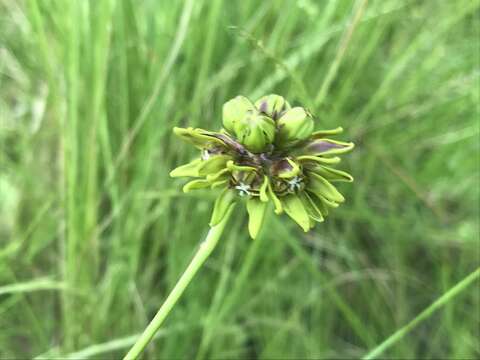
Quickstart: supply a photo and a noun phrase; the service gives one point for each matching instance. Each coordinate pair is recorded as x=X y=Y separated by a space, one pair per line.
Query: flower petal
x=196 y=184
x=318 y=159
x=322 y=133
x=321 y=203
x=219 y=183
x=234 y=111
x=222 y=204
x=332 y=174
x=313 y=211
x=234 y=167
x=264 y=189
x=286 y=169
x=272 y=105
x=256 y=132
x=294 y=208
x=213 y=165
x=328 y=202
x=326 y=147
x=190 y=169
x=199 y=137
x=222 y=174
x=256 y=214
x=276 y=201
x=295 y=125
x=321 y=187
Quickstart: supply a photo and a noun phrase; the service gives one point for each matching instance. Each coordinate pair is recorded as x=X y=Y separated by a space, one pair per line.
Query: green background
x=94 y=233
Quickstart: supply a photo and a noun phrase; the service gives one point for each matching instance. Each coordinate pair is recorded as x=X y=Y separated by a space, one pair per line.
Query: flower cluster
x=267 y=152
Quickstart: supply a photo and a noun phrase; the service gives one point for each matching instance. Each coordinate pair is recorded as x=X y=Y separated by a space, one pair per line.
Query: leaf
x=321 y=187
x=222 y=204
x=190 y=169
x=294 y=208
x=256 y=211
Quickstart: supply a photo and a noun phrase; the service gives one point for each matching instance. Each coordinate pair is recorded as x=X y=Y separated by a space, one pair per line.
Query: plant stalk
x=425 y=314
x=204 y=251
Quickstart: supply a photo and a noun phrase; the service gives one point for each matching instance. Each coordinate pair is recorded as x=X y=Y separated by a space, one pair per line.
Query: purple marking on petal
x=320 y=146
x=263 y=107
x=231 y=143
x=282 y=165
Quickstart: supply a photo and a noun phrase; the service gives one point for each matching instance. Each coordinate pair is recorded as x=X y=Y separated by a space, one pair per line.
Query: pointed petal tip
x=174 y=173
x=179 y=130
x=264 y=190
x=256 y=216
x=253 y=234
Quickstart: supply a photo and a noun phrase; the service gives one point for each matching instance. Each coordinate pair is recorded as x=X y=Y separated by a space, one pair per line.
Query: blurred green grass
x=93 y=232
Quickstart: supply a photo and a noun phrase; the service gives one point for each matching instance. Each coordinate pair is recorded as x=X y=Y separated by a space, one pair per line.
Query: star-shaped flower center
x=295 y=184
x=243 y=189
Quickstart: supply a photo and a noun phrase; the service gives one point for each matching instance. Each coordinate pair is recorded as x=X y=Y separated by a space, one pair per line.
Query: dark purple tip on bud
x=232 y=144
x=263 y=107
x=281 y=166
x=320 y=146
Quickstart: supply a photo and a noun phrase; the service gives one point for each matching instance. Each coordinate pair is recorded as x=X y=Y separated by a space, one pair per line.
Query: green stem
x=204 y=251
x=425 y=314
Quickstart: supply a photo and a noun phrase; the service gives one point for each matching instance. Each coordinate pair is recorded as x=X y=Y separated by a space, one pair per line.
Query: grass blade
x=425 y=314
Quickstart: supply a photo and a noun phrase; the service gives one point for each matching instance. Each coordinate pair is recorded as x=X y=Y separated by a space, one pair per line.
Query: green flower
x=252 y=128
x=267 y=152
x=294 y=126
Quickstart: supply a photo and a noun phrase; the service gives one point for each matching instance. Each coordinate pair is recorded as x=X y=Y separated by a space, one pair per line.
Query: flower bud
x=234 y=111
x=295 y=125
x=255 y=132
x=272 y=105
x=285 y=168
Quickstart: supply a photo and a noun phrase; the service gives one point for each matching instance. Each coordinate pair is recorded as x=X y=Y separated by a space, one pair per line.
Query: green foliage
x=94 y=232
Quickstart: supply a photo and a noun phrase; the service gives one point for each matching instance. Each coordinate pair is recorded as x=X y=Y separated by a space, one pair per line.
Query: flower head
x=267 y=152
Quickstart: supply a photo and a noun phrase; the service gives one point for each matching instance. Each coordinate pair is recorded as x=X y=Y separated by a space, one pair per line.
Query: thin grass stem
x=204 y=251
x=425 y=314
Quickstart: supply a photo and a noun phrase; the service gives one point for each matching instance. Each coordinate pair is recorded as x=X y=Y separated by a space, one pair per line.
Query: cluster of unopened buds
x=266 y=152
